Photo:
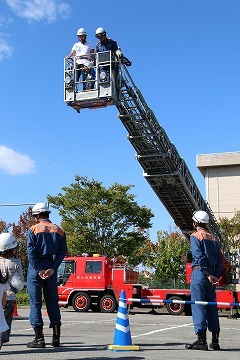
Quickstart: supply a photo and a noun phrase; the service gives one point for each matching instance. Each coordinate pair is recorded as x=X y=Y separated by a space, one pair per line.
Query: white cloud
x=5 y=21
x=31 y=10
x=64 y=10
x=5 y=49
x=15 y=163
x=38 y=10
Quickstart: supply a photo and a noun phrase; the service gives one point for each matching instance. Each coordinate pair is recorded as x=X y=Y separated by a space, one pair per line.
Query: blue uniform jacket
x=108 y=45
x=46 y=241
x=206 y=252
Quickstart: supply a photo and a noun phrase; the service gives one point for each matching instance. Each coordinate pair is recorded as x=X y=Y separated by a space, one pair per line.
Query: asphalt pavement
x=87 y=335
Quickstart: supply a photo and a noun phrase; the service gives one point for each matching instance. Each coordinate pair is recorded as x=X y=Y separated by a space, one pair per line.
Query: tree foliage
x=20 y=231
x=4 y=226
x=231 y=230
x=167 y=257
x=100 y=220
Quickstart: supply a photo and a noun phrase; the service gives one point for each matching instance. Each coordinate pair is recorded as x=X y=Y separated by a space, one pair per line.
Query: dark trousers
x=48 y=288
x=86 y=74
x=204 y=316
x=8 y=313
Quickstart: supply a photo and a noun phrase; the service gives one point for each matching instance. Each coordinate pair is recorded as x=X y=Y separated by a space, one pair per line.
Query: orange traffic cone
x=15 y=311
x=122 y=338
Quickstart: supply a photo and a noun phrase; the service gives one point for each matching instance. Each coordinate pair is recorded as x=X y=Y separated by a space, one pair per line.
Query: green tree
x=167 y=258
x=20 y=231
x=231 y=230
x=4 y=227
x=100 y=220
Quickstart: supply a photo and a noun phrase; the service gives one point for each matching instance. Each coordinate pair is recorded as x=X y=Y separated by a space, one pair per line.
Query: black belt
x=199 y=267
x=196 y=267
x=46 y=258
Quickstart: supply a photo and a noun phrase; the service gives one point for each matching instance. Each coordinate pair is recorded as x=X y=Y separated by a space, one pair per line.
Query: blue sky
x=185 y=60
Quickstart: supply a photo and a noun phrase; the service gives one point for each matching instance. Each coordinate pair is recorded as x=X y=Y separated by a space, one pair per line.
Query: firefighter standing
x=106 y=44
x=207 y=268
x=46 y=248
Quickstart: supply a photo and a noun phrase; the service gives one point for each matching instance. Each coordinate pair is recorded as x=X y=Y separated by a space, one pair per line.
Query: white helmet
x=40 y=208
x=81 y=31
x=7 y=242
x=100 y=32
x=201 y=217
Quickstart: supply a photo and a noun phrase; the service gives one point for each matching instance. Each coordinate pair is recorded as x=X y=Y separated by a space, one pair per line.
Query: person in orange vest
x=206 y=271
x=46 y=247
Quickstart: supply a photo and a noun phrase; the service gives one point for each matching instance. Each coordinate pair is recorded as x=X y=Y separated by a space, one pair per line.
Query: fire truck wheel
x=81 y=302
x=108 y=304
x=175 y=309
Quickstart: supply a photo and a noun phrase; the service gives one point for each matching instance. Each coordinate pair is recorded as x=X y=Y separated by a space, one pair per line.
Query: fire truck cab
x=94 y=283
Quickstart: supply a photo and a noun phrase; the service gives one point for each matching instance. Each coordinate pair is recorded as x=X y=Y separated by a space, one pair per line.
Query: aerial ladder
x=163 y=168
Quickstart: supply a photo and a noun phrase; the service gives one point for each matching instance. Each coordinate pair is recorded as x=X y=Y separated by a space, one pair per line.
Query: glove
x=119 y=53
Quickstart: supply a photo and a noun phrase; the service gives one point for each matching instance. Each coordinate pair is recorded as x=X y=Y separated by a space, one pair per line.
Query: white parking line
x=160 y=330
x=68 y=323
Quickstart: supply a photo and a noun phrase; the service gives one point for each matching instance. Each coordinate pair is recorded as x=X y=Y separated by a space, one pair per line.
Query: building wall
x=223 y=190
x=222 y=181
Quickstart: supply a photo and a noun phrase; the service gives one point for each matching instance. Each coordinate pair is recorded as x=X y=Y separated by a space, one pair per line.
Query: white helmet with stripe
x=7 y=242
x=81 y=31
x=40 y=208
x=201 y=217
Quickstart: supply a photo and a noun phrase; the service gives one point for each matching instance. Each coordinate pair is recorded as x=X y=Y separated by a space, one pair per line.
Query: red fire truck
x=95 y=282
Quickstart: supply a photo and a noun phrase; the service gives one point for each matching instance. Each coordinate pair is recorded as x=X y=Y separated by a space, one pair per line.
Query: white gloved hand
x=119 y=53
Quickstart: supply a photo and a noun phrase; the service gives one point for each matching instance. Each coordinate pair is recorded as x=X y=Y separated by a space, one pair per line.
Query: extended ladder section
x=164 y=169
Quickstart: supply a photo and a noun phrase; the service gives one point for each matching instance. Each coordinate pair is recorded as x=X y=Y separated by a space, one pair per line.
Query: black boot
x=56 y=336
x=215 y=341
x=200 y=343
x=38 y=342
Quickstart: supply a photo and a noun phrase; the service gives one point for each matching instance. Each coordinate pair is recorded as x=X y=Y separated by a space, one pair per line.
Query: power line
x=29 y=204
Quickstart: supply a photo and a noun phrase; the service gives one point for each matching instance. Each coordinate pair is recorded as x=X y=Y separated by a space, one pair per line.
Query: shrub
x=22 y=298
